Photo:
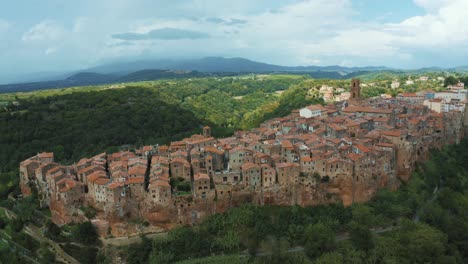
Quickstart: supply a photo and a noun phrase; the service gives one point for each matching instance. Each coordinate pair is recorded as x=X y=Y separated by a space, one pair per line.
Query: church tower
x=206 y=131
x=355 y=89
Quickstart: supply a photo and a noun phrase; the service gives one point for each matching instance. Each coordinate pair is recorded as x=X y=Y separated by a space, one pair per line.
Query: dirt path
x=125 y=241
x=61 y=255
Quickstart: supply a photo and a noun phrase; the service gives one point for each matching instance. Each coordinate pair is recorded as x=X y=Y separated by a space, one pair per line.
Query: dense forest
x=424 y=221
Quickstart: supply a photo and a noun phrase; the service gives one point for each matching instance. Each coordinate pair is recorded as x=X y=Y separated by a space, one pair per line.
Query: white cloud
x=45 y=31
x=446 y=27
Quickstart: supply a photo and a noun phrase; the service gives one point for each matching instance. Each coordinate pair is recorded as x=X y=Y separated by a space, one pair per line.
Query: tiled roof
x=201 y=176
x=353 y=109
x=135 y=180
x=249 y=165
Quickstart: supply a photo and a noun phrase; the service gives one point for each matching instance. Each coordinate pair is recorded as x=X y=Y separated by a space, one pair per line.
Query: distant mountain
x=92 y=78
x=79 y=79
x=148 y=75
x=134 y=71
x=219 y=64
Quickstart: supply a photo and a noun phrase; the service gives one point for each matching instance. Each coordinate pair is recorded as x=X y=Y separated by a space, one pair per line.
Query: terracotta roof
x=214 y=150
x=159 y=183
x=69 y=184
x=354 y=109
x=180 y=160
x=380 y=119
x=334 y=140
x=29 y=161
x=335 y=160
x=88 y=169
x=83 y=161
x=286 y=165
x=53 y=170
x=147 y=148
x=163 y=148
x=354 y=156
x=316 y=107
x=249 y=165
x=102 y=181
x=45 y=155
x=95 y=175
x=362 y=148
x=137 y=170
x=114 y=185
x=394 y=133
x=351 y=123
x=336 y=127
x=385 y=145
x=178 y=143
x=196 y=140
x=201 y=176
x=135 y=180
x=159 y=159
x=287 y=144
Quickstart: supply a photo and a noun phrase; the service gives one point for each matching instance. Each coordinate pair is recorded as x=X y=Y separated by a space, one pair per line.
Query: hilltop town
x=344 y=152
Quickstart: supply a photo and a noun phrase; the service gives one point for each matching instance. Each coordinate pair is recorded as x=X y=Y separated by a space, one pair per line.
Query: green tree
x=450 y=80
x=319 y=238
x=85 y=233
x=330 y=258
x=361 y=236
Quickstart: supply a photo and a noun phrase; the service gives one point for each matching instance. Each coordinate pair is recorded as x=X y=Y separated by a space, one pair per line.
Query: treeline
x=452 y=80
x=424 y=221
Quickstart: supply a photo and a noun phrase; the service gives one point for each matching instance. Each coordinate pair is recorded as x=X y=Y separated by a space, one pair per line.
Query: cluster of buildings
x=454 y=98
x=332 y=94
x=410 y=81
x=344 y=151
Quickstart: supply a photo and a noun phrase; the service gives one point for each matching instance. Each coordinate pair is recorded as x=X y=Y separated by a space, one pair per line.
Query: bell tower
x=355 y=89
x=206 y=131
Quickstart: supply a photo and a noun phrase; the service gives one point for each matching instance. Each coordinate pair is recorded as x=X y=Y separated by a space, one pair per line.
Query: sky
x=63 y=35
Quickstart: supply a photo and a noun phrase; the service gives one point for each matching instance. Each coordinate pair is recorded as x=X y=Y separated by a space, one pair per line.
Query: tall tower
x=355 y=89
x=206 y=131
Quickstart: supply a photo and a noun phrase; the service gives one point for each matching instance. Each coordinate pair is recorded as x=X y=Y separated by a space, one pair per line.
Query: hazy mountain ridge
x=134 y=71
x=220 y=64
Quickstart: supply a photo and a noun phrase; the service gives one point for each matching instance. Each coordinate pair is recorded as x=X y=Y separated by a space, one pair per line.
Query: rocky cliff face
x=62 y=214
